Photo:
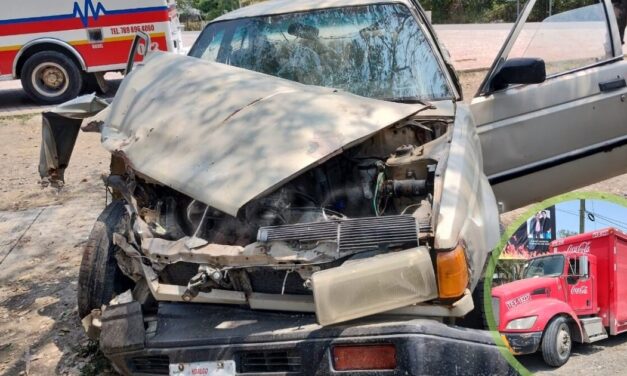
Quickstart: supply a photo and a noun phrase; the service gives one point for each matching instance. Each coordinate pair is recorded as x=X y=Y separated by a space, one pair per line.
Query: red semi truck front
x=577 y=292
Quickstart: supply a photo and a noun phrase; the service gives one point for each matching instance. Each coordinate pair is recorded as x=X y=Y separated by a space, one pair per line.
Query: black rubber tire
x=74 y=77
x=90 y=84
x=553 y=335
x=476 y=319
x=99 y=277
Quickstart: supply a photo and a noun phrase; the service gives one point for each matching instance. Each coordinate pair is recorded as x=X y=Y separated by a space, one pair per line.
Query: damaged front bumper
x=278 y=343
x=523 y=343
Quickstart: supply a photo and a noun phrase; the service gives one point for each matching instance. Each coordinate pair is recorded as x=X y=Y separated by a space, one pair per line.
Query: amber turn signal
x=364 y=357
x=452 y=273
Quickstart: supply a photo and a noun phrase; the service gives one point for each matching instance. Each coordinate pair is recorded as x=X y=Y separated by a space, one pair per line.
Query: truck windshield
x=548 y=266
x=376 y=51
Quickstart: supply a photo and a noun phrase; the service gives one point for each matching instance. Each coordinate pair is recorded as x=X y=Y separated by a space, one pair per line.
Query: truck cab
x=570 y=294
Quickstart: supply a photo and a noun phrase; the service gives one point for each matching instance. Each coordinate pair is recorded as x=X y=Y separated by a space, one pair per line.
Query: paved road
x=472 y=47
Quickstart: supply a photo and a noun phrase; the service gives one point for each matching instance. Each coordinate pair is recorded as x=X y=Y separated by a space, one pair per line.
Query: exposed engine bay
x=283 y=197
x=374 y=198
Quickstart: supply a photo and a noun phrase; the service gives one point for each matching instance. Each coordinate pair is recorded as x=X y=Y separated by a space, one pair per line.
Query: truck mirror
x=583 y=266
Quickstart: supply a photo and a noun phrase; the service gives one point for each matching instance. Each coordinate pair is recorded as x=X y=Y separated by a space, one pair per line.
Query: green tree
x=563 y=233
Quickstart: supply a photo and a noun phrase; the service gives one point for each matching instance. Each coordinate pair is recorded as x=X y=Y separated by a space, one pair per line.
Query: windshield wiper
x=411 y=100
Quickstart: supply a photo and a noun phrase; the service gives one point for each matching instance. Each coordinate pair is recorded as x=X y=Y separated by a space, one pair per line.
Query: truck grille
x=151 y=365
x=351 y=235
x=496 y=307
x=270 y=361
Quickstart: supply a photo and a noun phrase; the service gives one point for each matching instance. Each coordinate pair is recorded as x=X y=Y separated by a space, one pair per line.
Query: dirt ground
x=42 y=232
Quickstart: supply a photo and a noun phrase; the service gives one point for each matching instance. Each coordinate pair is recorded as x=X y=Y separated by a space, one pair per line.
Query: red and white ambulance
x=56 y=47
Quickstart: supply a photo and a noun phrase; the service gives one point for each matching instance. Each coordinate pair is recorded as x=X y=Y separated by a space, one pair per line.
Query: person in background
x=546 y=225
x=620 y=9
x=537 y=228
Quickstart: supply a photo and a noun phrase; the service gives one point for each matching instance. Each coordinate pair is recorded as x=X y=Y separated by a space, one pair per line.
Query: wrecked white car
x=307 y=183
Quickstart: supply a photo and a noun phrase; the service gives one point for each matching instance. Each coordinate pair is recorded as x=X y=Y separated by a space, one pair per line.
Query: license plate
x=222 y=368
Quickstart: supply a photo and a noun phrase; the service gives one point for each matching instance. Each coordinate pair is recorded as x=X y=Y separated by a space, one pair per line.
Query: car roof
x=273 y=7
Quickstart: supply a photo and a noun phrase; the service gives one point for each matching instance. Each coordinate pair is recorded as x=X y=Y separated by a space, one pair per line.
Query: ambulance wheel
x=50 y=77
x=557 y=343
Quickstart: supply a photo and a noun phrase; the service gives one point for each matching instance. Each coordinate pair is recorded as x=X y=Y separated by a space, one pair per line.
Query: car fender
x=466 y=210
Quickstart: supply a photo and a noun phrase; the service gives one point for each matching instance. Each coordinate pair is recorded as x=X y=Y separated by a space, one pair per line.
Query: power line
x=599 y=218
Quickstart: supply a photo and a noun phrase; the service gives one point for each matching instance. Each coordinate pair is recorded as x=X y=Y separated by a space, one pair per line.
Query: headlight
x=522 y=324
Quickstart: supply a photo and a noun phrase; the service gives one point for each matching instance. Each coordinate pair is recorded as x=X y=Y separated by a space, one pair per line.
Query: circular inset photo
x=558 y=294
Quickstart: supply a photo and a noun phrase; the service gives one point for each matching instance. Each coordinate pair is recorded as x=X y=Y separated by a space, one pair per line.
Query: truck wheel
x=99 y=277
x=50 y=77
x=557 y=343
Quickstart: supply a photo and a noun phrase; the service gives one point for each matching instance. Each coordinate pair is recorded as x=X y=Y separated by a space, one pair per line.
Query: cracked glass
x=376 y=51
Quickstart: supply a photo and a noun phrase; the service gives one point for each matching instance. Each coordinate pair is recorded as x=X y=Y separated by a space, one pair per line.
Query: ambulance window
x=95 y=35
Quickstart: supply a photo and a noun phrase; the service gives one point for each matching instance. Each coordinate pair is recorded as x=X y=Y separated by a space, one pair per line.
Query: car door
x=569 y=130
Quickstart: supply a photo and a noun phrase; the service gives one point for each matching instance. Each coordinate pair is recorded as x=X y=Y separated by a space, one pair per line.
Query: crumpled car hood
x=224 y=135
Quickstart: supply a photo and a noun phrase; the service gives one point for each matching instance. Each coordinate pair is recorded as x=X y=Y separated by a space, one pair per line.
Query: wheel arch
x=573 y=324
x=46 y=44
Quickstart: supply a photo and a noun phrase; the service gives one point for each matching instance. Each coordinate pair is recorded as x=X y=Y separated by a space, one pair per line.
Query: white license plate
x=222 y=368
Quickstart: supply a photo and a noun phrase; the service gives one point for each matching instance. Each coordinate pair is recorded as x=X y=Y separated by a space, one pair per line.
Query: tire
x=99 y=277
x=50 y=77
x=557 y=342
x=477 y=318
x=90 y=84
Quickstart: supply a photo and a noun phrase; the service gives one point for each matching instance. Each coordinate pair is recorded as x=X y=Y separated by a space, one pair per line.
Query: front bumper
x=524 y=343
x=287 y=344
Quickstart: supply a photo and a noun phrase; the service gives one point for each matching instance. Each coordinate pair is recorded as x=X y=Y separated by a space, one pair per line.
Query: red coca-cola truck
x=576 y=292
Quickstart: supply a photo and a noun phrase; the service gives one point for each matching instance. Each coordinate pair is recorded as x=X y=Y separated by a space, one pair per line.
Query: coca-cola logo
x=583 y=247
x=579 y=290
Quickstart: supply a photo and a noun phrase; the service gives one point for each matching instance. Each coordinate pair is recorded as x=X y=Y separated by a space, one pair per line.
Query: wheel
x=99 y=277
x=477 y=318
x=50 y=77
x=557 y=343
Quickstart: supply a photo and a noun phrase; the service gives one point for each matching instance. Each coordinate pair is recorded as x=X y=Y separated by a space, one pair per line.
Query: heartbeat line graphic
x=89 y=7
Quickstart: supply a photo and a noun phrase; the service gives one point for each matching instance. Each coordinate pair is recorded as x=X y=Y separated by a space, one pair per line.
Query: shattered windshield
x=549 y=266
x=376 y=51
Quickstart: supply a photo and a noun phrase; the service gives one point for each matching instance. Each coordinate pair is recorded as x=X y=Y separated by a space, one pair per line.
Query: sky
x=607 y=214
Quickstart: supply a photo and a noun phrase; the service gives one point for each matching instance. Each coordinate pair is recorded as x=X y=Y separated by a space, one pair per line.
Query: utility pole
x=582 y=216
x=550 y=8
x=517 y=9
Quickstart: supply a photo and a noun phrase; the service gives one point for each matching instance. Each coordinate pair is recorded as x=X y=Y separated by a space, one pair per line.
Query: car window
x=573 y=267
x=376 y=51
x=213 y=47
x=566 y=34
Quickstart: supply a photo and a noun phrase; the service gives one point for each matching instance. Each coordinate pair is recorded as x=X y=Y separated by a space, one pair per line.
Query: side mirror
x=583 y=266
x=137 y=48
x=519 y=71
